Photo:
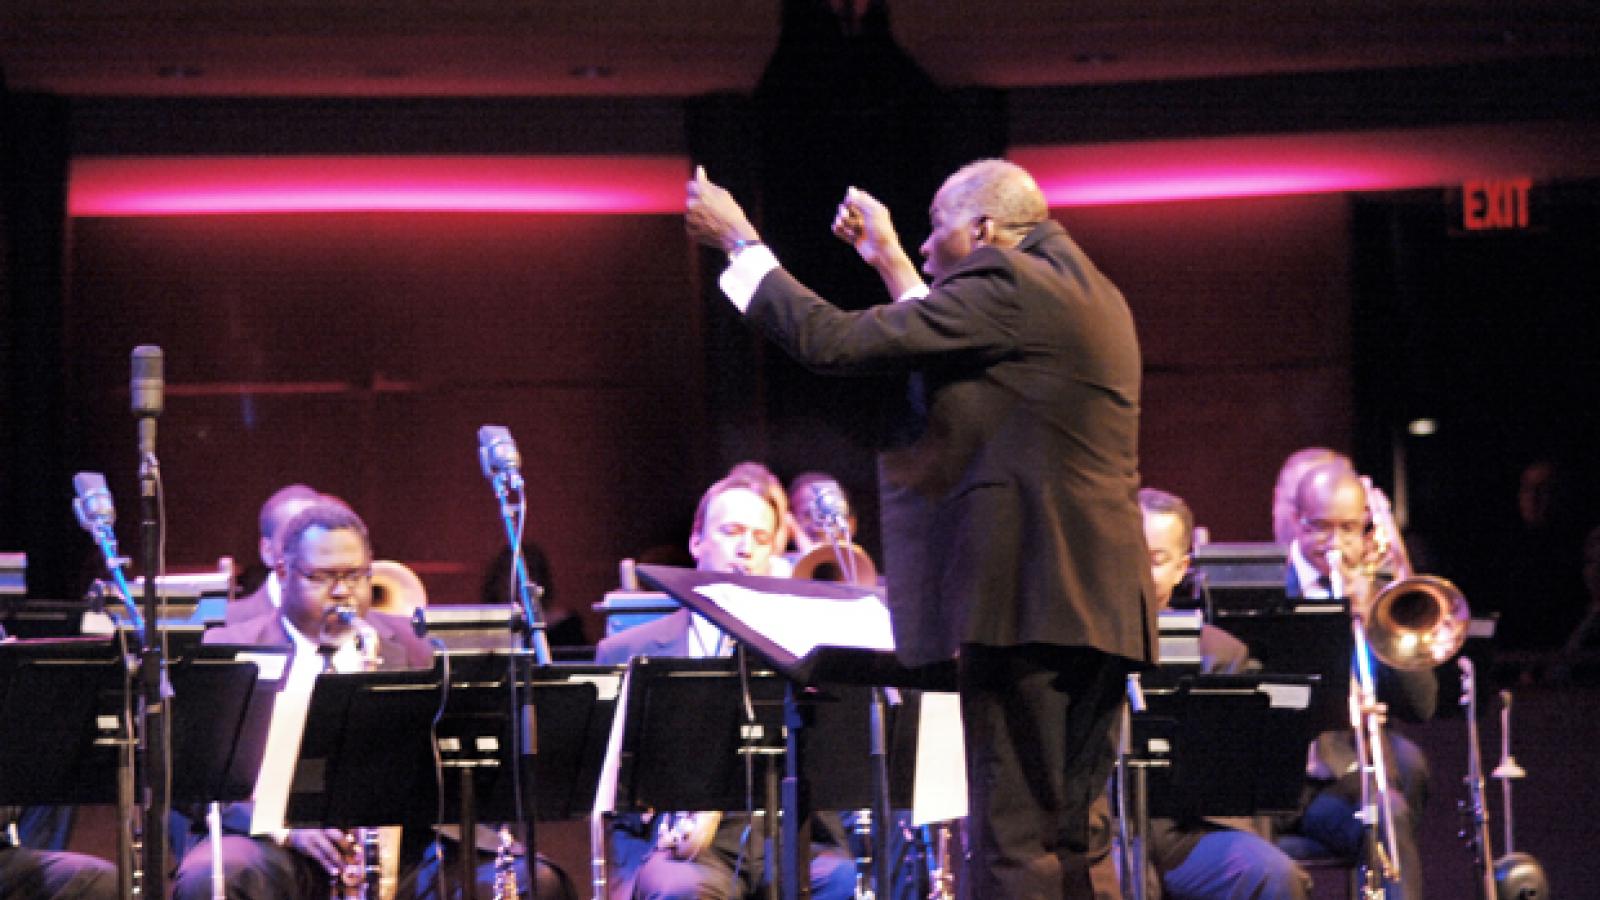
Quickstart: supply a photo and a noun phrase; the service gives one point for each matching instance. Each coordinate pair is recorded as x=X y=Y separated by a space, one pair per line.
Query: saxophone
x=364 y=876
x=505 y=868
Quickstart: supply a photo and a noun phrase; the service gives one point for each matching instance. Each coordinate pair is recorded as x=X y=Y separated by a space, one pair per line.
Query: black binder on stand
x=815 y=634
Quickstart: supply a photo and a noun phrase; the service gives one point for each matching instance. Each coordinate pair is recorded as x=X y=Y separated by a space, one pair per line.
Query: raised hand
x=712 y=216
x=864 y=223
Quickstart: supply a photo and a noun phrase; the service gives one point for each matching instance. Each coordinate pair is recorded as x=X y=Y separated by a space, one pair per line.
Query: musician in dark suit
x=707 y=856
x=325 y=567
x=1208 y=859
x=1011 y=535
x=1335 y=519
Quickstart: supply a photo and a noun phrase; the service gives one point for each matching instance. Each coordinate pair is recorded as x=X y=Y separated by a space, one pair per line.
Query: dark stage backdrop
x=1243 y=311
x=361 y=352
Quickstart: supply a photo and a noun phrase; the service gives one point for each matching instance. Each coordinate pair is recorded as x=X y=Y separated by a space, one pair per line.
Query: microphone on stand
x=499 y=458
x=147 y=388
x=97 y=514
x=93 y=505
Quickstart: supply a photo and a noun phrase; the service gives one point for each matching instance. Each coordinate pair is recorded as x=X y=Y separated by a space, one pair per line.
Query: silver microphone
x=829 y=511
x=498 y=456
x=147 y=387
x=93 y=505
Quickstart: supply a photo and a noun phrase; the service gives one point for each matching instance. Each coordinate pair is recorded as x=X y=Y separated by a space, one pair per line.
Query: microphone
x=497 y=454
x=829 y=511
x=146 y=388
x=93 y=505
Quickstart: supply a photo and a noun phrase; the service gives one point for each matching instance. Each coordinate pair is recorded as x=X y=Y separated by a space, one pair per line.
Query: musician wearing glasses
x=1203 y=859
x=1332 y=557
x=284 y=504
x=324 y=568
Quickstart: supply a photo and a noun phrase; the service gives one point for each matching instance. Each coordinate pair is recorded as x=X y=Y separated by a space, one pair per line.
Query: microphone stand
x=525 y=732
x=154 y=735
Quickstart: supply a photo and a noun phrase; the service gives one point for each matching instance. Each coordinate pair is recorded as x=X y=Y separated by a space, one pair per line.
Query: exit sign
x=1489 y=204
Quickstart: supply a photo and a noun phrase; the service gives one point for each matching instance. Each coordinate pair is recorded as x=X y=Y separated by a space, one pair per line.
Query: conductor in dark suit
x=1011 y=535
x=325 y=567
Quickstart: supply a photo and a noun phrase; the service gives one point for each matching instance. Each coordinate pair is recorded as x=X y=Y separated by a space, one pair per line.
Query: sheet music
x=271 y=793
x=939 y=790
x=800 y=624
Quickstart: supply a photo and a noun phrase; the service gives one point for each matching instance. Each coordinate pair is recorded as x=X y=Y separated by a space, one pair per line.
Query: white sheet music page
x=801 y=624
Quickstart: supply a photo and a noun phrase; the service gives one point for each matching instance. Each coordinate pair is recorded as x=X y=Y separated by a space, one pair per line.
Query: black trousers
x=1037 y=722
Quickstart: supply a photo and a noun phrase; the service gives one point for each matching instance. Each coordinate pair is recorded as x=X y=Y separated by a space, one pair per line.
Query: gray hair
x=998 y=189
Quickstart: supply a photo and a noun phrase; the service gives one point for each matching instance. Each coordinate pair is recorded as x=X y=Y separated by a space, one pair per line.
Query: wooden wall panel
x=360 y=354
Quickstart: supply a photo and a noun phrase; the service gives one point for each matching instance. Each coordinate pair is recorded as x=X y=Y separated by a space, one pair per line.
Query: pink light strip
x=167 y=186
x=1276 y=165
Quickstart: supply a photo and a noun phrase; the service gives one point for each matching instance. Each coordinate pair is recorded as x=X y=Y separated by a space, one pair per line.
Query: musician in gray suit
x=1011 y=535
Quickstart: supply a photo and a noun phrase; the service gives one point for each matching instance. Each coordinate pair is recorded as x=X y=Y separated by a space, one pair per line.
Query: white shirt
x=288 y=725
x=706 y=639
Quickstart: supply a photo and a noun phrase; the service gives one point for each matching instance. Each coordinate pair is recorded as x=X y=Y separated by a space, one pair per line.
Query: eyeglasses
x=1327 y=528
x=327 y=578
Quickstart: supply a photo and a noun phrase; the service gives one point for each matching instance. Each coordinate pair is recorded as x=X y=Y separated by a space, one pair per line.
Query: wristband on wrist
x=740 y=245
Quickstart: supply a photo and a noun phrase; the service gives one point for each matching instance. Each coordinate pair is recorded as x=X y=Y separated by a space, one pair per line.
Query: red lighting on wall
x=1334 y=162
x=168 y=186
x=1071 y=175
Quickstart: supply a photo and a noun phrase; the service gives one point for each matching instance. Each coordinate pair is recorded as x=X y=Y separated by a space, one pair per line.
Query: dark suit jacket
x=398 y=646
x=1009 y=510
x=256 y=603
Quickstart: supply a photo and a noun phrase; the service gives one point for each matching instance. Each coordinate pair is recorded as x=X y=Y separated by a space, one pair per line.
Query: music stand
x=365 y=757
x=1311 y=639
x=223 y=697
x=1226 y=745
x=54 y=697
x=813 y=633
x=573 y=706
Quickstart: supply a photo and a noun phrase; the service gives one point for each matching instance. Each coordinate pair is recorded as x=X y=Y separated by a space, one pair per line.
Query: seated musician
x=1205 y=859
x=29 y=874
x=710 y=855
x=324 y=566
x=1335 y=519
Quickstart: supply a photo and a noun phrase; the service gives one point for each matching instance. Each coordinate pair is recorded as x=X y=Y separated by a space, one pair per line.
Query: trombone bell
x=1417 y=623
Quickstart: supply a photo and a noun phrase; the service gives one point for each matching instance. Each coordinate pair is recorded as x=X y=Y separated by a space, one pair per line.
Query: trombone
x=1414 y=623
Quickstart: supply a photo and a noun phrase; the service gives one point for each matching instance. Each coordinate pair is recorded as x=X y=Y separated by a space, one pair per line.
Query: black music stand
x=573 y=706
x=53 y=697
x=65 y=743
x=1309 y=639
x=222 y=711
x=366 y=757
x=778 y=618
x=1226 y=745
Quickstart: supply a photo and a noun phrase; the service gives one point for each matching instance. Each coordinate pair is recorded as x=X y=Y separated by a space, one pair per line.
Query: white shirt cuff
x=743 y=275
x=913 y=293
